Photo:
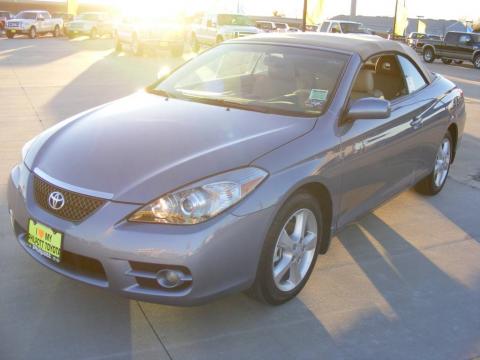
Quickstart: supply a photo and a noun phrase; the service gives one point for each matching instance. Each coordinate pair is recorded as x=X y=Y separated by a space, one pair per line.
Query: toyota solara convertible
x=234 y=171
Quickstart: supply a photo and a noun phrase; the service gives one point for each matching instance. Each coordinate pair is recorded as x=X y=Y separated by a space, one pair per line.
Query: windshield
x=238 y=20
x=264 y=78
x=355 y=28
x=26 y=15
x=89 y=17
x=281 y=25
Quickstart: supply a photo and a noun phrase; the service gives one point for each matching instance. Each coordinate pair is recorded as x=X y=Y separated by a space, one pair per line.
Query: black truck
x=456 y=46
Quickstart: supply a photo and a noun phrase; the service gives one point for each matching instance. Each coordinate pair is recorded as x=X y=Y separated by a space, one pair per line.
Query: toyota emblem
x=56 y=200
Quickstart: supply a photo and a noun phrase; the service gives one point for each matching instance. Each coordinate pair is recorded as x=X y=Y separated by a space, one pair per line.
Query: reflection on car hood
x=143 y=146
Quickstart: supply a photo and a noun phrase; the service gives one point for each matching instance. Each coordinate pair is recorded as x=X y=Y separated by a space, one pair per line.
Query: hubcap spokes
x=442 y=163
x=295 y=250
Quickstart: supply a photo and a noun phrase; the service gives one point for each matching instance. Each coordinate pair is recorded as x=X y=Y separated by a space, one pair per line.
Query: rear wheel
x=434 y=182
x=447 y=61
x=10 y=34
x=290 y=250
x=195 y=44
x=476 y=62
x=32 y=33
x=56 y=31
x=428 y=55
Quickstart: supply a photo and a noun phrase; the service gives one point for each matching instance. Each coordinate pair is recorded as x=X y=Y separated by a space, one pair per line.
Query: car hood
x=142 y=146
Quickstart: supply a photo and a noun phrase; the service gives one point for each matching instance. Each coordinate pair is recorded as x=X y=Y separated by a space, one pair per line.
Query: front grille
x=77 y=206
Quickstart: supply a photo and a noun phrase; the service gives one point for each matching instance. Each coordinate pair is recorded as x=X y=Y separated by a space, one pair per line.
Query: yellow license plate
x=44 y=240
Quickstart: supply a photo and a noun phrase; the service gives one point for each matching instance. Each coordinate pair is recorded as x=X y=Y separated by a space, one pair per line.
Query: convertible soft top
x=365 y=46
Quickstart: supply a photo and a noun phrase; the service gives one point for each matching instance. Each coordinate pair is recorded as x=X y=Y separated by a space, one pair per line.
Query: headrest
x=388 y=65
x=365 y=81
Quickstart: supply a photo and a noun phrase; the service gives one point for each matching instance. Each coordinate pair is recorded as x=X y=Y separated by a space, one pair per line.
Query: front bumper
x=106 y=251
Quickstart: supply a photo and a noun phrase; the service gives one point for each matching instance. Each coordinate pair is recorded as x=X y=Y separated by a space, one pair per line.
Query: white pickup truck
x=33 y=23
x=213 y=29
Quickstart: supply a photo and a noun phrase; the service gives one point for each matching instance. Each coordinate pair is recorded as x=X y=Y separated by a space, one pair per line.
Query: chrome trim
x=72 y=188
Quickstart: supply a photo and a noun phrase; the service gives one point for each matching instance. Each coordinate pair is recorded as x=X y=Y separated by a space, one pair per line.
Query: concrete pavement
x=402 y=283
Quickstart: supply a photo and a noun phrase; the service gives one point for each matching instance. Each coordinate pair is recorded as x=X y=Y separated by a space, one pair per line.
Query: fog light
x=169 y=278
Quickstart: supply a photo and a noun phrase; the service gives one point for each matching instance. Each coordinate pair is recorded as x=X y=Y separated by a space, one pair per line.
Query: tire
x=476 y=62
x=219 y=40
x=195 y=44
x=70 y=35
x=93 y=33
x=458 y=62
x=431 y=185
x=177 y=51
x=447 y=61
x=275 y=255
x=428 y=55
x=32 y=33
x=118 y=45
x=10 y=35
x=56 y=31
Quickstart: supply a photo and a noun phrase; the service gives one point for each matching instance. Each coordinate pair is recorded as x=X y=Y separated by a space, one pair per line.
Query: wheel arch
x=453 y=130
x=428 y=46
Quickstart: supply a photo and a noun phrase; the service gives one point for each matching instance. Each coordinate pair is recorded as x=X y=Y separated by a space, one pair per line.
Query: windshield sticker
x=317 y=97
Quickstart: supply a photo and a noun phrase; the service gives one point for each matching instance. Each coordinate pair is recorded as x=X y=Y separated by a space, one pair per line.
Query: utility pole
x=353 y=8
x=304 y=18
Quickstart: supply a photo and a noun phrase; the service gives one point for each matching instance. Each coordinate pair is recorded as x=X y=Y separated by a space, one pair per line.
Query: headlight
x=202 y=201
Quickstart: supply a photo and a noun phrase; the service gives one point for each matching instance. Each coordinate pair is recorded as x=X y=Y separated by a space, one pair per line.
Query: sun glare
x=153 y=8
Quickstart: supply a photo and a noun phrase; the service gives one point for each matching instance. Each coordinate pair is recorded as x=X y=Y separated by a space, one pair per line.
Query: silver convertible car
x=234 y=171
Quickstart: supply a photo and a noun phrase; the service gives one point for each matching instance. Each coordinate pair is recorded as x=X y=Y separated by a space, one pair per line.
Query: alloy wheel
x=295 y=250
x=442 y=163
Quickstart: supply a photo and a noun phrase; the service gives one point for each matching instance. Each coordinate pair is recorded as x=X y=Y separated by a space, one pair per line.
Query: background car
x=33 y=23
x=4 y=16
x=93 y=24
x=457 y=46
x=282 y=27
x=152 y=33
x=266 y=26
x=342 y=27
x=213 y=29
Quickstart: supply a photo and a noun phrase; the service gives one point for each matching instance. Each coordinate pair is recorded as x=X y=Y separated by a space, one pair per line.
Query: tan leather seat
x=365 y=86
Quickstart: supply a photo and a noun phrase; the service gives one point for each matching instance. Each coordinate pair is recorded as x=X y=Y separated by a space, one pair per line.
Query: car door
x=379 y=154
x=465 y=47
x=47 y=23
x=449 y=47
x=432 y=116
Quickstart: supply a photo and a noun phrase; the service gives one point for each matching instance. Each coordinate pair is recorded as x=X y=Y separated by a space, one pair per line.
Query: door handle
x=416 y=122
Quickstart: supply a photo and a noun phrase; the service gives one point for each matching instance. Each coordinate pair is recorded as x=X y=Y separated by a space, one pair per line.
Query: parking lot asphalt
x=403 y=283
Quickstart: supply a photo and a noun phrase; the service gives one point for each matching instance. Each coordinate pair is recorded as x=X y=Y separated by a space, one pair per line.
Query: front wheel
x=434 y=182
x=447 y=61
x=428 y=55
x=476 y=62
x=290 y=250
x=32 y=33
x=10 y=34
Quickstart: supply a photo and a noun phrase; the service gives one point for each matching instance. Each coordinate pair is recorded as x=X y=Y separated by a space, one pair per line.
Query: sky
x=437 y=9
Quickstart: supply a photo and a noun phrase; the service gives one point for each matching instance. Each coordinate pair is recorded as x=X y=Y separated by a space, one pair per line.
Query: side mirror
x=369 y=108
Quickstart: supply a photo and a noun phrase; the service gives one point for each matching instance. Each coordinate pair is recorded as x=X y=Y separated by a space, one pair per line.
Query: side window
x=335 y=28
x=451 y=38
x=46 y=15
x=464 y=39
x=413 y=78
x=324 y=27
